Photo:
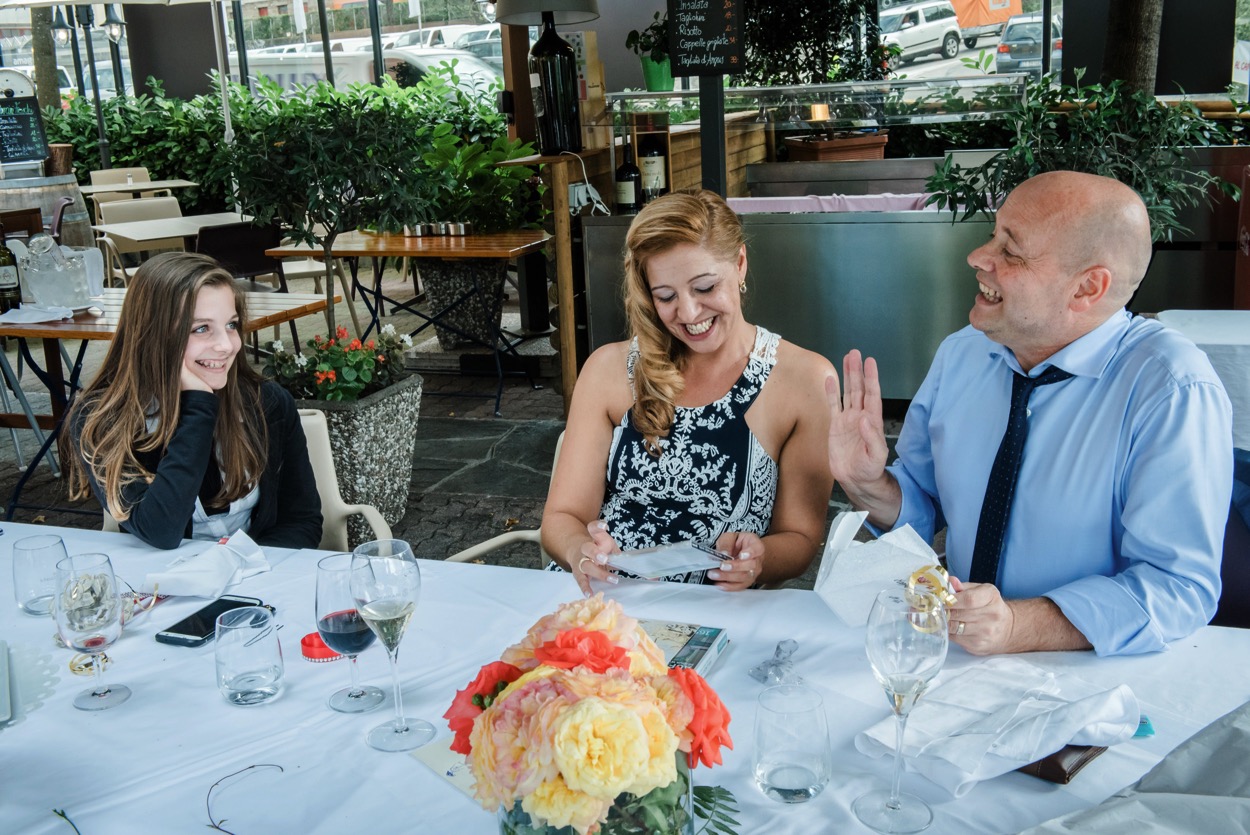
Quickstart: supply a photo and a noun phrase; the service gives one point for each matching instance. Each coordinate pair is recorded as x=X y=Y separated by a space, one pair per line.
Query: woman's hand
x=746 y=561
x=592 y=564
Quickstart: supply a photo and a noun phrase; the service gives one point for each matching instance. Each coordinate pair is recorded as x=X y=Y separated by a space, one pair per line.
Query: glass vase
x=668 y=810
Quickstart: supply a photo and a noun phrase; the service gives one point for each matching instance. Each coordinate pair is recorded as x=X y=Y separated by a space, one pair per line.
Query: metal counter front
x=892 y=284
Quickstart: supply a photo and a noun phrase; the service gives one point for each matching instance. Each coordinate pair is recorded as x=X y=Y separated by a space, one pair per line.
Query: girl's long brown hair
x=142 y=372
x=699 y=217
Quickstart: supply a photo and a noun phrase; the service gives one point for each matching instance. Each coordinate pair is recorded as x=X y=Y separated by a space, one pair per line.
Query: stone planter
x=372 y=441
x=475 y=286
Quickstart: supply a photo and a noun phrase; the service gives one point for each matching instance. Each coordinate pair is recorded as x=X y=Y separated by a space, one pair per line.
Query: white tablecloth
x=1225 y=337
x=148 y=764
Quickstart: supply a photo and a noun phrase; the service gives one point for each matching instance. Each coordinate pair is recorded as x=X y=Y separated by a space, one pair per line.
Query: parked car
x=1020 y=48
x=68 y=90
x=490 y=52
x=431 y=36
x=921 y=29
x=489 y=32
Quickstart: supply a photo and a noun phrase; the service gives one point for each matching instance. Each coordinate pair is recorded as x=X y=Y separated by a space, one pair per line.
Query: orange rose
x=709 y=728
x=578 y=648
x=474 y=699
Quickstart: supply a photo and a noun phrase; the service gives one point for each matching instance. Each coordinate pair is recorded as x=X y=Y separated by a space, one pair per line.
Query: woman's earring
x=742 y=285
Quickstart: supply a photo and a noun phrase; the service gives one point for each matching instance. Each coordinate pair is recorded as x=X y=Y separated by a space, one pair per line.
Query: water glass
x=793 y=760
x=249 y=656
x=34 y=572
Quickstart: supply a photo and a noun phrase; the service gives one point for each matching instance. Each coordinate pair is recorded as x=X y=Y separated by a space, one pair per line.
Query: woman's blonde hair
x=141 y=378
x=697 y=217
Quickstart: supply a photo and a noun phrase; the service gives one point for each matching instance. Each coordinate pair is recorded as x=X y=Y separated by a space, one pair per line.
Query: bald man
x=1116 y=502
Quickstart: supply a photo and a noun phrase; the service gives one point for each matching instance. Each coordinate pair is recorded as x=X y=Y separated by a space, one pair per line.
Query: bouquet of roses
x=580 y=724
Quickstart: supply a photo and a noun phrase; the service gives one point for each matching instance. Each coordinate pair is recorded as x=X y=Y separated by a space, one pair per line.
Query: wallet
x=1061 y=766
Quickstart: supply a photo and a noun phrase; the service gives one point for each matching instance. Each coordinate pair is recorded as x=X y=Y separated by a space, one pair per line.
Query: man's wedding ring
x=959 y=630
x=579 y=564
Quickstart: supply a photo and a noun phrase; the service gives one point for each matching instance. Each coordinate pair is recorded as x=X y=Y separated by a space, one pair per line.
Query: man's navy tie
x=1001 y=490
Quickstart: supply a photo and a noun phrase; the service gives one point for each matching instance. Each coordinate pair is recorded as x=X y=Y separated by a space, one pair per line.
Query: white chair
x=117 y=176
x=148 y=208
x=503 y=540
x=115 y=270
x=334 y=511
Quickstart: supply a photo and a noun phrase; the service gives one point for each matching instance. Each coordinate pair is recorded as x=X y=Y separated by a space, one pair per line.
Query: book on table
x=687 y=644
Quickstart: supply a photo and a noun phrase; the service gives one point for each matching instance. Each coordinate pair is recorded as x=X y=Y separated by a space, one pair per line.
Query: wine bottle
x=628 y=184
x=553 y=83
x=10 y=287
x=654 y=160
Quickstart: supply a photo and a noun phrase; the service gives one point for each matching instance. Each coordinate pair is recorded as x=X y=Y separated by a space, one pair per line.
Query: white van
x=430 y=36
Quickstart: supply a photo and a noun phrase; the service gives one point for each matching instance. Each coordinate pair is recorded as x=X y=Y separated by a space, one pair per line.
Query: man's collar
x=1086 y=356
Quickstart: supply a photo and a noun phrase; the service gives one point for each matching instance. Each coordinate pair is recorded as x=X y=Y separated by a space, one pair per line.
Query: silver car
x=1020 y=48
x=921 y=29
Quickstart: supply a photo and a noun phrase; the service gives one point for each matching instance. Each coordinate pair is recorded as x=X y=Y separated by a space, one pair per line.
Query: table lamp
x=552 y=66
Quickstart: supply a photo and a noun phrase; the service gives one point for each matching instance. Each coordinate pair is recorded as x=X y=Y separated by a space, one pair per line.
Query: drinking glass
x=34 y=572
x=344 y=631
x=792 y=758
x=906 y=647
x=89 y=617
x=248 y=655
x=386 y=584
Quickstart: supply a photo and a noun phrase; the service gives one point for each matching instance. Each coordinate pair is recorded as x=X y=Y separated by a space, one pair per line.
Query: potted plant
x=371 y=404
x=651 y=47
x=1099 y=129
x=469 y=187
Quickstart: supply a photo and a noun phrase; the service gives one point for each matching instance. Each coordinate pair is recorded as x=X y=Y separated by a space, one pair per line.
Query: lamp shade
x=530 y=12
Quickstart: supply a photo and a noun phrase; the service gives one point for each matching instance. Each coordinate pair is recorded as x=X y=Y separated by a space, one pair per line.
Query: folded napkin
x=998 y=716
x=32 y=314
x=851 y=573
x=210 y=572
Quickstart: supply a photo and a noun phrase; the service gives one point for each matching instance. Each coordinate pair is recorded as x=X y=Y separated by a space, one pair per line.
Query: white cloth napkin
x=31 y=314
x=213 y=570
x=851 y=573
x=998 y=716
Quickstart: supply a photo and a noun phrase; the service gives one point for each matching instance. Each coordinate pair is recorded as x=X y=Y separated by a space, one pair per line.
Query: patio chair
x=116 y=176
x=334 y=511
x=503 y=540
x=116 y=273
x=1234 y=606
x=294 y=268
x=149 y=208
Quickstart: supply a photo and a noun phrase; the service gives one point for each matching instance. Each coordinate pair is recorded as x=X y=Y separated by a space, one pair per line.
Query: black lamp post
x=64 y=34
x=115 y=28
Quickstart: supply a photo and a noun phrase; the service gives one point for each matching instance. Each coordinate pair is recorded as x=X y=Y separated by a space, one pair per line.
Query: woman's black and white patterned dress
x=713 y=477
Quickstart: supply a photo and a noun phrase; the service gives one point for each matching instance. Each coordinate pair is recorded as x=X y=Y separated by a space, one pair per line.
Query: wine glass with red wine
x=344 y=631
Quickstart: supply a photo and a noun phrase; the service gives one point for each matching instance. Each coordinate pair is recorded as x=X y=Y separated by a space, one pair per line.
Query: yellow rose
x=559 y=806
x=601 y=748
x=661 y=768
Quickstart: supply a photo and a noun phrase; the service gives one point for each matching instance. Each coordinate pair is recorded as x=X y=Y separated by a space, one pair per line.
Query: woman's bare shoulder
x=605 y=377
x=800 y=367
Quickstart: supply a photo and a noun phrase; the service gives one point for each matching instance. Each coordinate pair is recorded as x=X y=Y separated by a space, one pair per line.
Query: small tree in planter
x=322 y=162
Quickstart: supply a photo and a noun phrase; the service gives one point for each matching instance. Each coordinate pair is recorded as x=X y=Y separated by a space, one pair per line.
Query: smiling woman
x=177 y=439
x=702 y=427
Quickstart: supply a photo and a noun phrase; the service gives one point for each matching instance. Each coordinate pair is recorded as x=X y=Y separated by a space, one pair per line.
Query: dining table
x=176 y=756
x=137 y=187
x=157 y=229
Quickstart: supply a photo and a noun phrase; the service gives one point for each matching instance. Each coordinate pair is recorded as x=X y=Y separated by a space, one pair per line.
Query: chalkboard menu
x=705 y=37
x=21 y=131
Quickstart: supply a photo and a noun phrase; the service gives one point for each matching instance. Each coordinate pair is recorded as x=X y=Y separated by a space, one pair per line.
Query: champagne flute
x=386 y=584
x=88 y=616
x=906 y=647
x=344 y=631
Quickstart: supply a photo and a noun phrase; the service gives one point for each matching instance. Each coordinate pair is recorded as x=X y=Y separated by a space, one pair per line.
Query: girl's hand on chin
x=191 y=382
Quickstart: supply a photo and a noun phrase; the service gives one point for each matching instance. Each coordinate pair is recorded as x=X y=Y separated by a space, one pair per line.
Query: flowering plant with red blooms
x=580 y=725
x=339 y=368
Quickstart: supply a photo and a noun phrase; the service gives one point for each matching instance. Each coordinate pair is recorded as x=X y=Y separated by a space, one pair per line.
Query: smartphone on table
x=200 y=627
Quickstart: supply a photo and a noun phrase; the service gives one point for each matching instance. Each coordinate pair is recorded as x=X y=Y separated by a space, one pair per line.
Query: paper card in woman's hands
x=666 y=560
x=851 y=573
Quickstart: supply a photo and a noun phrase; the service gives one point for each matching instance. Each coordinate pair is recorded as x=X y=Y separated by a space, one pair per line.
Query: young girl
x=178 y=436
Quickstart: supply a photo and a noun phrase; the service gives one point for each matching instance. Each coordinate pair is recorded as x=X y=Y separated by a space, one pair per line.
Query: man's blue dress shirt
x=1124 y=488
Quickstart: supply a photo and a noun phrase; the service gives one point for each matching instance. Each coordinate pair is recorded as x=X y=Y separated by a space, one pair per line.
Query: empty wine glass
x=344 y=631
x=906 y=646
x=386 y=584
x=88 y=616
